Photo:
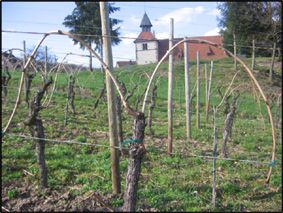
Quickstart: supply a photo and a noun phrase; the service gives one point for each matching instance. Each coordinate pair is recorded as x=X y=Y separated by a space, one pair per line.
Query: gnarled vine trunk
x=136 y=153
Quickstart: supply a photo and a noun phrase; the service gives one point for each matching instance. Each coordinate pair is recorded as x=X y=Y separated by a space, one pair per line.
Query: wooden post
x=206 y=81
x=235 y=51
x=253 y=56
x=101 y=53
x=272 y=63
x=119 y=116
x=214 y=159
x=111 y=100
x=102 y=91
x=151 y=107
x=278 y=122
x=67 y=101
x=90 y=59
x=198 y=92
x=187 y=90
x=208 y=92
x=26 y=75
x=25 y=57
x=170 y=89
x=46 y=62
x=119 y=123
x=72 y=93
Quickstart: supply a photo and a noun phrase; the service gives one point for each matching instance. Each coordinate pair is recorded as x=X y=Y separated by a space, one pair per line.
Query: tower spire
x=145 y=23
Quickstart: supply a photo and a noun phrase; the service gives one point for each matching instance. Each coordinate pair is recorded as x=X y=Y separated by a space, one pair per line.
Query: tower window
x=144 y=46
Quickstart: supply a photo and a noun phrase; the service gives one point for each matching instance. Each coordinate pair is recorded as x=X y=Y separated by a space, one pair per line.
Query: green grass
x=167 y=183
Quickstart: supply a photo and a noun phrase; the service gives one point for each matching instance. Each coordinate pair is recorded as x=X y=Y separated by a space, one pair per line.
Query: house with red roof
x=149 y=49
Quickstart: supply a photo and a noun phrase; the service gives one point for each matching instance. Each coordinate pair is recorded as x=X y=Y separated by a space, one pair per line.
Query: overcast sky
x=190 y=19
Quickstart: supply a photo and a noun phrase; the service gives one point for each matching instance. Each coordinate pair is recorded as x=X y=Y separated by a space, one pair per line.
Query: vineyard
x=77 y=150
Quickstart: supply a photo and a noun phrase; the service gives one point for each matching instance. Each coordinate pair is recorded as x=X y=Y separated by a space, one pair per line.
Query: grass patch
x=181 y=182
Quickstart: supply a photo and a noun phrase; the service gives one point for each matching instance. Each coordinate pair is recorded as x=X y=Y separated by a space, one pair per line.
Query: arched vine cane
x=250 y=74
x=127 y=108
x=12 y=49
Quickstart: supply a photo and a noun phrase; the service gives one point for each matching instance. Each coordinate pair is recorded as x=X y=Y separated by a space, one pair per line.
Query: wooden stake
x=278 y=120
x=208 y=92
x=102 y=91
x=46 y=62
x=272 y=63
x=253 y=56
x=170 y=89
x=90 y=59
x=111 y=100
x=26 y=74
x=187 y=91
x=24 y=49
x=198 y=93
x=119 y=122
x=67 y=102
x=72 y=93
x=235 y=51
x=206 y=80
x=119 y=117
x=101 y=54
x=151 y=107
x=214 y=159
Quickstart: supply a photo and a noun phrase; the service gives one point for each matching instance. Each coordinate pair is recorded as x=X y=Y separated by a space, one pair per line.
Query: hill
x=181 y=182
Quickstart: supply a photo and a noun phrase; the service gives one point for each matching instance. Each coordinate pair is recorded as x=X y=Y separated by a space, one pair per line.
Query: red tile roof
x=145 y=36
x=206 y=51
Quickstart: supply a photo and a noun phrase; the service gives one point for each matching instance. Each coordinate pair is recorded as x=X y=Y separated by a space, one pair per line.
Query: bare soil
x=30 y=198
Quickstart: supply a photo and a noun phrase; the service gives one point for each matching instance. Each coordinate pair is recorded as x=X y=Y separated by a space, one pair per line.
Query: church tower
x=146 y=43
x=145 y=24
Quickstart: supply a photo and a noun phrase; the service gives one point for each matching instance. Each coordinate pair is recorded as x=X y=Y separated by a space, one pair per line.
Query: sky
x=190 y=19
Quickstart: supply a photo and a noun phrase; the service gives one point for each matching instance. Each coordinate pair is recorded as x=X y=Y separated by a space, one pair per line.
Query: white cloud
x=129 y=40
x=161 y=35
x=214 y=12
x=135 y=20
x=214 y=31
x=199 y=9
x=180 y=16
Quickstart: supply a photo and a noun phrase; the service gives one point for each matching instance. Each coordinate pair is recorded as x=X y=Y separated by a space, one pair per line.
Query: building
x=149 y=49
x=147 y=46
x=11 y=61
x=124 y=63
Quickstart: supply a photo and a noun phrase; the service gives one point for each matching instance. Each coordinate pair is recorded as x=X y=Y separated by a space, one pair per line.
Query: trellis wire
x=117 y=147
x=61 y=141
x=126 y=37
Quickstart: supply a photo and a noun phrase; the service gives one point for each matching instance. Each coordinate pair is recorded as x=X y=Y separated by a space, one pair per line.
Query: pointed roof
x=145 y=21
